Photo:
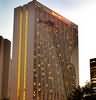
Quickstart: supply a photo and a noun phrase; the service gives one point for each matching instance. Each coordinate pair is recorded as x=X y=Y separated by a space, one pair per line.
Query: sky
x=81 y=12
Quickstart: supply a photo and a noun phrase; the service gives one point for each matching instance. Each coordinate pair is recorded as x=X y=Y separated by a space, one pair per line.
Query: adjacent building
x=91 y=95
x=4 y=67
x=93 y=71
x=45 y=54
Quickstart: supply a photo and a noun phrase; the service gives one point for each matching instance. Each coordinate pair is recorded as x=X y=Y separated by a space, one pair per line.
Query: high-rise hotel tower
x=45 y=54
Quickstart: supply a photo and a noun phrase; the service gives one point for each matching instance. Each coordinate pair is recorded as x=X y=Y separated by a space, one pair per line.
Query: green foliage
x=82 y=93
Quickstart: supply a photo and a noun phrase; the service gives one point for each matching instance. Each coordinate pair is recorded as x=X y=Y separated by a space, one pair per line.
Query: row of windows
x=50 y=55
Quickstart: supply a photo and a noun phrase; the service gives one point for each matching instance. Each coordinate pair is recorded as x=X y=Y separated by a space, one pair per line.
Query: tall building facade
x=45 y=54
x=4 y=67
x=93 y=71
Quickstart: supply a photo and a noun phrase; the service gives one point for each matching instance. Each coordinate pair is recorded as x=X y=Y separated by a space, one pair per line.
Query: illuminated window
x=39 y=84
x=60 y=55
x=39 y=89
x=50 y=73
x=39 y=65
x=50 y=78
x=43 y=74
x=34 y=84
x=50 y=90
x=37 y=19
x=58 y=45
x=46 y=85
x=49 y=65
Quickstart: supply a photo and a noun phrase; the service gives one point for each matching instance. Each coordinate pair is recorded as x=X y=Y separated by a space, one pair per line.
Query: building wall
x=4 y=66
x=45 y=54
x=1 y=64
x=93 y=72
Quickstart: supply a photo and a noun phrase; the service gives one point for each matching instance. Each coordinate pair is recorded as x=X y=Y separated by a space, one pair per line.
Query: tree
x=83 y=93
x=77 y=94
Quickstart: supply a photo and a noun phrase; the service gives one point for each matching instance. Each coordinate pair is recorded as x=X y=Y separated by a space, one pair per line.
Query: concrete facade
x=4 y=66
x=45 y=54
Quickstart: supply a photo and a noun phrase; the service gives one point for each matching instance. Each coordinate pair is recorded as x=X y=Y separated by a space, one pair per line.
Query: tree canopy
x=83 y=93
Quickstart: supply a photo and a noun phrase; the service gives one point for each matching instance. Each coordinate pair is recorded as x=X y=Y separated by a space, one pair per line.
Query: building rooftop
x=53 y=13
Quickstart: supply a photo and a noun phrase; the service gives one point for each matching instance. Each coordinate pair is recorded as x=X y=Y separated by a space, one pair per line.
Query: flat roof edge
x=50 y=11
